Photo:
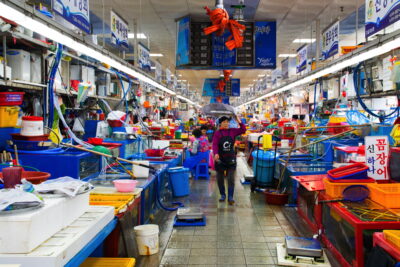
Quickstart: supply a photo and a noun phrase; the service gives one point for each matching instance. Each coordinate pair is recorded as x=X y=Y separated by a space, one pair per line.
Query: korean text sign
x=74 y=11
x=330 y=41
x=377 y=156
x=119 y=30
x=379 y=14
x=302 y=54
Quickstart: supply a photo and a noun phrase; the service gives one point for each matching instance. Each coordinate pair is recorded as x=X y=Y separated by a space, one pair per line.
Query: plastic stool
x=202 y=171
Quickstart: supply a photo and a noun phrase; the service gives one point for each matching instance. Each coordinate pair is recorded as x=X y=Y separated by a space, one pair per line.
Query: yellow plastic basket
x=108 y=262
x=393 y=237
x=8 y=116
x=119 y=202
x=388 y=195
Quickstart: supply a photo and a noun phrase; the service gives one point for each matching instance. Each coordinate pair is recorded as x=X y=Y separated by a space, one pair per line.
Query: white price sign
x=330 y=41
x=377 y=156
x=74 y=11
x=119 y=30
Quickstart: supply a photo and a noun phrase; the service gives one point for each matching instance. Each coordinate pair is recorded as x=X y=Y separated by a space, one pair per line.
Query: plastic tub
x=11 y=98
x=108 y=262
x=32 y=176
x=125 y=185
x=393 y=237
x=388 y=195
x=154 y=152
x=30 y=145
x=263 y=163
x=179 y=178
x=8 y=116
x=147 y=239
x=274 y=198
x=32 y=126
x=353 y=171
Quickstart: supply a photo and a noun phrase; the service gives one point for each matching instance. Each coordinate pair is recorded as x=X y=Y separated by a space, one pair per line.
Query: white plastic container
x=20 y=63
x=21 y=233
x=74 y=208
x=139 y=171
x=147 y=239
x=284 y=143
x=32 y=126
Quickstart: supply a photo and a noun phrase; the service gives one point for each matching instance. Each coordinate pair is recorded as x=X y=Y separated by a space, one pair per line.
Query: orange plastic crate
x=388 y=195
x=335 y=190
x=393 y=237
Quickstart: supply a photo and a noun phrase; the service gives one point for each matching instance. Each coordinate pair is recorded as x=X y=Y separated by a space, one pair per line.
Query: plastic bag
x=66 y=186
x=14 y=196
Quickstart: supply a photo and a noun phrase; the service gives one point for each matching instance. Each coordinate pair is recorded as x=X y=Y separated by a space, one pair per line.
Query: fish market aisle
x=242 y=235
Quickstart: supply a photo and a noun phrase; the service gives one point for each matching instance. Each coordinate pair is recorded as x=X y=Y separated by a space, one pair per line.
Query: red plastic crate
x=11 y=98
x=353 y=171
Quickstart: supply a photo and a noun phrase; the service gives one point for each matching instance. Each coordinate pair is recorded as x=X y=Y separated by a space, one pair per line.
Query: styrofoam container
x=74 y=207
x=253 y=137
x=21 y=233
x=20 y=63
x=139 y=171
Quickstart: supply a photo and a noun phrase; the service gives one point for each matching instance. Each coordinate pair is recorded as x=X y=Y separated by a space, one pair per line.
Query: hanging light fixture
x=238 y=13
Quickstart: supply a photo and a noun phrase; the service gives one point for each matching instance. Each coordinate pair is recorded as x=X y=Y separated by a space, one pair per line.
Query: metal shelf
x=22 y=85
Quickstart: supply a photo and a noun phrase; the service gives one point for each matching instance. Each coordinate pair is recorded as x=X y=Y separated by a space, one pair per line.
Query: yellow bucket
x=8 y=116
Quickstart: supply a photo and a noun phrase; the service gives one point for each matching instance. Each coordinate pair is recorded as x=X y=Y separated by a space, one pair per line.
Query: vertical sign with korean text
x=76 y=12
x=377 y=156
x=158 y=71
x=144 y=57
x=379 y=14
x=302 y=59
x=119 y=31
x=330 y=41
x=168 y=75
x=183 y=42
x=265 y=44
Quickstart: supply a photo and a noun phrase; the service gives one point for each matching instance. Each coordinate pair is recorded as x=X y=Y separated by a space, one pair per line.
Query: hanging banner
x=231 y=89
x=168 y=75
x=144 y=57
x=119 y=31
x=302 y=59
x=285 y=68
x=76 y=12
x=223 y=100
x=158 y=71
x=377 y=156
x=265 y=44
x=379 y=14
x=175 y=83
x=330 y=41
x=183 y=42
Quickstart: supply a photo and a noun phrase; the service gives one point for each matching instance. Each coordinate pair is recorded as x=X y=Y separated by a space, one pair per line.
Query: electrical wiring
x=357 y=83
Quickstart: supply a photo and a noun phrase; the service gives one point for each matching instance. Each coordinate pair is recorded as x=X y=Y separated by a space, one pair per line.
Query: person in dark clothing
x=225 y=157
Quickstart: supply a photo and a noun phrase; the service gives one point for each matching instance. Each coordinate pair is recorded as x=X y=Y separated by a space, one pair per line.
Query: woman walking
x=225 y=156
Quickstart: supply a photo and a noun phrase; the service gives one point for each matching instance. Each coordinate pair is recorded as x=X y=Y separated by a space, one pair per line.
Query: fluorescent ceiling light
x=341 y=64
x=59 y=37
x=261 y=75
x=287 y=55
x=304 y=41
x=156 y=55
x=153 y=68
x=131 y=35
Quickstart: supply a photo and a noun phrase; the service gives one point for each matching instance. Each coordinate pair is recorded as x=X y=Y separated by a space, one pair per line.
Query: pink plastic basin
x=125 y=185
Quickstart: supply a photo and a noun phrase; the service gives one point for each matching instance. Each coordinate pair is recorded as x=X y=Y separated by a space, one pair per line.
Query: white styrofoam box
x=141 y=172
x=73 y=208
x=8 y=72
x=253 y=137
x=21 y=233
x=20 y=63
x=36 y=68
x=160 y=144
x=58 y=250
x=75 y=72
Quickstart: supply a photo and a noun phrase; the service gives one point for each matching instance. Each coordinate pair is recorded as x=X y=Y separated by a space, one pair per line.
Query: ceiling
x=156 y=19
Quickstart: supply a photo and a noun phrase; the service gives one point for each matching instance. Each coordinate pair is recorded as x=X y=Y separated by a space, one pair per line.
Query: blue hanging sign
x=302 y=58
x=183 y=42
x=144 y=58
x=231 y=89
x=379 y=14
x=265 y=44
x=76 y=12
x=225 y=100
x=119 y=31
x=330 y=41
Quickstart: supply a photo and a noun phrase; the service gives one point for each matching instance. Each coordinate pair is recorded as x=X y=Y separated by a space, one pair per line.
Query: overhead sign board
x=379 y=14
x=119 y=31
x=231 y=89
x=302 y=59
x=183 y=42
x=265 y=44
x=330 y=41
x=144 y=57
x=76 y=12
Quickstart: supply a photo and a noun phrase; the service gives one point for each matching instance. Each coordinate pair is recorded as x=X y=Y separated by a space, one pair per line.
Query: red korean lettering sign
x=377 y=156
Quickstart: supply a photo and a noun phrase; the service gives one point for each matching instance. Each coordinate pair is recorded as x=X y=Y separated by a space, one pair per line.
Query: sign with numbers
x=302 y=59
x=330 y=41
x=119 y=30
x=74 y=11
x=377 y=156
x=379 y=14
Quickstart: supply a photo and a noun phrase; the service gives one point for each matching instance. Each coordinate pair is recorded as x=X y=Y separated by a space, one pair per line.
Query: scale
x=301 y=251
x=190 y=217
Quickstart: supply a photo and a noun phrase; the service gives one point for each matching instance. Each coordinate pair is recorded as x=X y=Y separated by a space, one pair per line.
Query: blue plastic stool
x=202 y=171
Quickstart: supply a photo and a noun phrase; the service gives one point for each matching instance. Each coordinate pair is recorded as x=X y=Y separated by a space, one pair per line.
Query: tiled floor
x=241 y=235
